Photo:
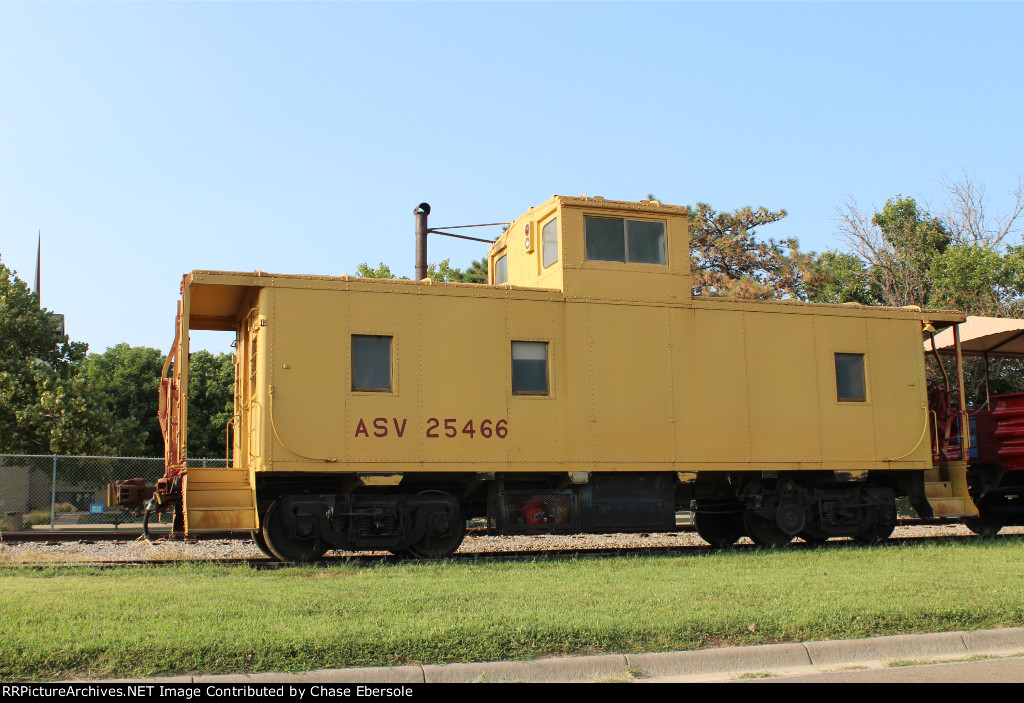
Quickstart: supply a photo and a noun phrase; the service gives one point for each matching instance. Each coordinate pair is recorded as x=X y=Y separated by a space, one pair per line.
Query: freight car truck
x=584 y=389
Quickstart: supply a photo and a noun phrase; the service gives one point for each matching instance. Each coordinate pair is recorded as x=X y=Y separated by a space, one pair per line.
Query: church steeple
x=39 y=253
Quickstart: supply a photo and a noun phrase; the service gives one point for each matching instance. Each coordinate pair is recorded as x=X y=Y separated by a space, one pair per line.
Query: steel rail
x=128 y=535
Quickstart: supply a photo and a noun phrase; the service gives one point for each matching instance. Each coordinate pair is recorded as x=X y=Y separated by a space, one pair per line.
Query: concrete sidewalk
x=720 y=664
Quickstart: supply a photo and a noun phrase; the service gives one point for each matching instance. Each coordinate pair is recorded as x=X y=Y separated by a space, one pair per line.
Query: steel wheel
x=790 y=516
x=876 y=534
x=275 y=534
x=982 y=527
x=719 y=529
x=763 y=532
x=437 y=547
x=257 y=539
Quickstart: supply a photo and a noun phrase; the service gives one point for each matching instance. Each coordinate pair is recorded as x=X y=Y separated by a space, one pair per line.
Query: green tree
x=978 y=280
x=210 y=404
x=840 y=277
x=476 y=273
x=129 y=378
x=898 y=246
x=912 y=240
x=46 y=401
x=441 y=272
x=382 y=271
x=962 y=258
x=727 y=258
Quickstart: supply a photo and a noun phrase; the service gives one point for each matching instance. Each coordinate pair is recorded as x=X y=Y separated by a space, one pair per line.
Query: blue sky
x=149 y=139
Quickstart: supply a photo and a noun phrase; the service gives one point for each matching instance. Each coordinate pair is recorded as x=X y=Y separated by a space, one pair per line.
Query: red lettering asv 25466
x=436 y=428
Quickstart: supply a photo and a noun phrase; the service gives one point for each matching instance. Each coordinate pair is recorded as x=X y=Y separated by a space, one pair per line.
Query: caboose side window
x=850 y=386
x=501 y=270
x=628 y=241
x=606 y=238
x=530 y=368
x=549 y=233
x=371 y=363
x=645 y=242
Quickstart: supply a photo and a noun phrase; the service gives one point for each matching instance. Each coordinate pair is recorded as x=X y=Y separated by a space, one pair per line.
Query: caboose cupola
x=592 y=248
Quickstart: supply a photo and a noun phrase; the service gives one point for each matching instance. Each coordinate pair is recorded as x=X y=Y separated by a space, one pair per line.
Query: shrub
x=10 y=523
x=36 y=517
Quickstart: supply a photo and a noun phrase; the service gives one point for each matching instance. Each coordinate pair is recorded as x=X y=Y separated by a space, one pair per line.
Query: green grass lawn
x=60 y=622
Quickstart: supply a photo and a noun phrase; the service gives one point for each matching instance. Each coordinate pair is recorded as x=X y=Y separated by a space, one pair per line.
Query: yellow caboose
x=584 y=389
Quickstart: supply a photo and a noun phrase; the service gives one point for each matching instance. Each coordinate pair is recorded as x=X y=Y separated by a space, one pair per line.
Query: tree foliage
x=906 y=255
x=440 y=273
x=979 y=280
x=476 y=273
x=56 y=399
x=840 y=277
x=898 y=246
x=210 y=403
x=727 y=258
x=129 y=379
x=383 y=271
x=46 y=402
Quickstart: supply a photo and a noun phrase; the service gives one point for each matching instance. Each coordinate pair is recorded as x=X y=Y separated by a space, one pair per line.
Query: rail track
x=367 y=560
x=127 y=535
x=128 y=549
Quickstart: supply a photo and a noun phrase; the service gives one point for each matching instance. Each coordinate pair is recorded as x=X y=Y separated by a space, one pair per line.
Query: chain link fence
x=70 y=492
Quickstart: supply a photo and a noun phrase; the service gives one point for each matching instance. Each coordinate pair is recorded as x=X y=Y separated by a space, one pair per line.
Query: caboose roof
x=215 y=297
x=994 y=336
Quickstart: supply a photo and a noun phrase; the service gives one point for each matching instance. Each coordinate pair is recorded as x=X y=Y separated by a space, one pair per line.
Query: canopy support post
x=987 y=398
x=965 y=432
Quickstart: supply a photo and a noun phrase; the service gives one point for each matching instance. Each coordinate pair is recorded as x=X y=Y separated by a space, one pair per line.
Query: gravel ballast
x=163 y=550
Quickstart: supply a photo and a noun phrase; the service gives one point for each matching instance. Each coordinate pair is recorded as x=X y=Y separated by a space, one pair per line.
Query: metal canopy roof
x=994 y=336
